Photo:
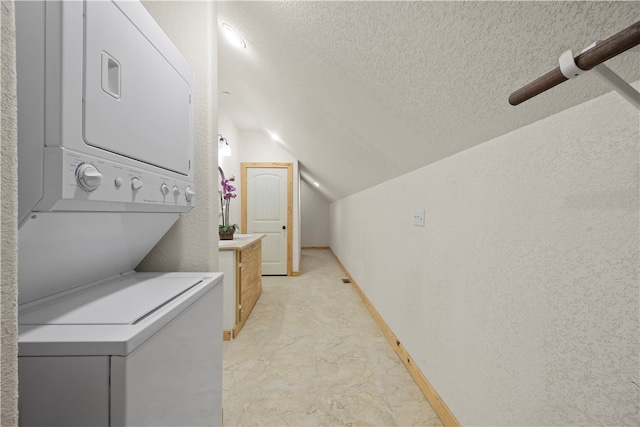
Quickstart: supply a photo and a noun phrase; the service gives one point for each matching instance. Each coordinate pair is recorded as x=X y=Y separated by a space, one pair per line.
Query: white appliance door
x=136 y=103
x=175 y=378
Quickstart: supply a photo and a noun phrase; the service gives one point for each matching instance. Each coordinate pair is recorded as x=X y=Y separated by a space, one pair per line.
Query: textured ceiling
x=361 y=92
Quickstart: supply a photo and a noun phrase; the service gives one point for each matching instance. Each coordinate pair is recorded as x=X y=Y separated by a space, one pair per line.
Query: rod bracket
x=570 y=70
x=568 y=66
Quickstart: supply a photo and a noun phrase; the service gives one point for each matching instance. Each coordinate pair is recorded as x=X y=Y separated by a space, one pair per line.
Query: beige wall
x=519 y=299
x=192 y=243
x=314 y=209
x=8 y=211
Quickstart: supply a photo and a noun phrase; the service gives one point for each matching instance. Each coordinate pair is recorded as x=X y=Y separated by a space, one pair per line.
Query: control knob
x=176 y=190
x=164 y=189
x=136 y=184
x=88 y=177
x=189 y=193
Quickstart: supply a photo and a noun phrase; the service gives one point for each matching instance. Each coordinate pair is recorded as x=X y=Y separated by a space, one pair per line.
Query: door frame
x=243 y=189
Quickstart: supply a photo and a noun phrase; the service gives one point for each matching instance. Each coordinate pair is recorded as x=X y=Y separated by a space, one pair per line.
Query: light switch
x=418 y=217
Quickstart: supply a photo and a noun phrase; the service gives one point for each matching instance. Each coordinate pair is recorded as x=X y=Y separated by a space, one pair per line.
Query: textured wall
x=8 y=194
x=519 y=299
x=314 y=209
x=192 y=243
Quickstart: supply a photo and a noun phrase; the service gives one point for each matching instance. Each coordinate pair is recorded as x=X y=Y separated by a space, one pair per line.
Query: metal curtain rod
x=601 y=52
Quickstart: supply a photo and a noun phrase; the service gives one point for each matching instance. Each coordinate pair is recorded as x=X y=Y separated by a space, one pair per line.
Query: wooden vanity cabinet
x=249 y=286
x=241 y=264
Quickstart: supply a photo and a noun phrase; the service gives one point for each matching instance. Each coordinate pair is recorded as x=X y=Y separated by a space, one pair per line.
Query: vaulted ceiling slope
x=361 y=92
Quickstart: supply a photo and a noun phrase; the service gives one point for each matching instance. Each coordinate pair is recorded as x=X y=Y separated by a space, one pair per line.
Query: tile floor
x=310 y=354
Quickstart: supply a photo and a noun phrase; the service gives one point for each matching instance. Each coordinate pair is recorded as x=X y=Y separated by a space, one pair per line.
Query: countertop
x=240 y=241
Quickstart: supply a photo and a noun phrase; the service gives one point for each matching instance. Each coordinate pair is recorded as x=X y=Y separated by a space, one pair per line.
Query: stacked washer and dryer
x=105 y=157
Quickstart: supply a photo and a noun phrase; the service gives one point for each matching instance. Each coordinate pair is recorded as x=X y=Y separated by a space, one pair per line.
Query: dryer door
x=136 y=98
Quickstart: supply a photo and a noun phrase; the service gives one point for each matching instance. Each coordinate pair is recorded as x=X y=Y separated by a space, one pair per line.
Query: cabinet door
x=250 y=278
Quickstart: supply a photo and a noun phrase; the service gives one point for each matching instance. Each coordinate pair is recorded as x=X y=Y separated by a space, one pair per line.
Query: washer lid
x=118 y=302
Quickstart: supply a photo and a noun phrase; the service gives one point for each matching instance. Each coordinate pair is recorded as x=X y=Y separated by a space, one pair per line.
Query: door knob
x=284 y=227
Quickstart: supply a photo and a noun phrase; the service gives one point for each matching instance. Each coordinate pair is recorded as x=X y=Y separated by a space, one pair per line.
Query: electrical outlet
x=418 y=217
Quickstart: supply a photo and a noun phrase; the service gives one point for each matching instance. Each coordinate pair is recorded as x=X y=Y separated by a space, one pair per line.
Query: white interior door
x=267 y=212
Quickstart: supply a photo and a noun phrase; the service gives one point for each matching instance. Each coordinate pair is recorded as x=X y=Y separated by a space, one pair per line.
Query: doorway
x=267 y=207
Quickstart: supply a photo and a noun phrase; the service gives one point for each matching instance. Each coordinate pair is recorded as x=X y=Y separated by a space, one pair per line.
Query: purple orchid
x=226 y=194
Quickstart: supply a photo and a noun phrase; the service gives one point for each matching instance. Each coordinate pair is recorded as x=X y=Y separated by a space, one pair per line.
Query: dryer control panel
x=90 y=183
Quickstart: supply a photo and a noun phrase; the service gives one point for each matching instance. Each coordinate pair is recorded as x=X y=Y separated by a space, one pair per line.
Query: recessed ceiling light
x=274 y=136
x=233 y=36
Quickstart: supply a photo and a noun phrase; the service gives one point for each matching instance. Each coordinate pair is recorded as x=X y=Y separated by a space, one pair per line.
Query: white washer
x=133 y=350
x=105 y=159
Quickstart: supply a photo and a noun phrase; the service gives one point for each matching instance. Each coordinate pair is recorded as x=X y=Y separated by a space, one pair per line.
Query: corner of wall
x=9 y=226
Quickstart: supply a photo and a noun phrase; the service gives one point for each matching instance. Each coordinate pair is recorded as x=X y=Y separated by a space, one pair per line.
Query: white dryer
x=105 y=159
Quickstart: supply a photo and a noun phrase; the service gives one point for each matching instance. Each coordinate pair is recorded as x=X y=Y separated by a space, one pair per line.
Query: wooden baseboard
x=295 y=273
x=315 y=247
x=441 y=409
x=226 y=335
